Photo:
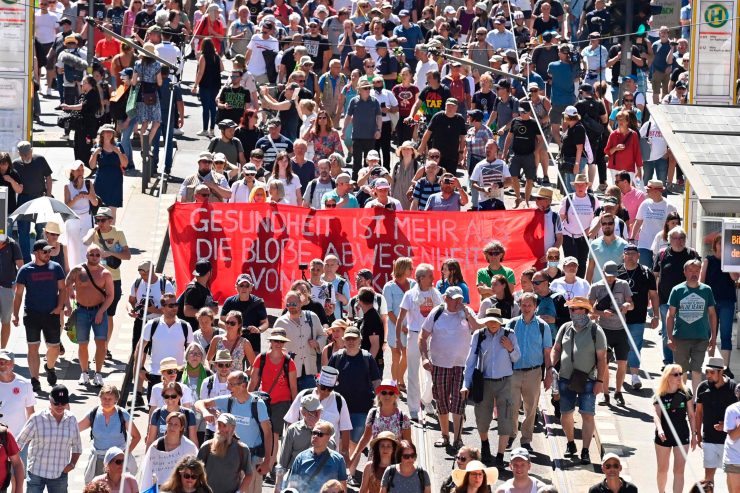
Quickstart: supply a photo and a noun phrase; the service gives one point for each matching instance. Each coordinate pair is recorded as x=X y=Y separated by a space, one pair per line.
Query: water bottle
x=639 y=185
x=279 y=473
x=554 y=385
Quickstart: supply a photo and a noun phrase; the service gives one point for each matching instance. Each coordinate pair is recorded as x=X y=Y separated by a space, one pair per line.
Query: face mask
x=552 y=263
x=579 y=319
x=378 y=89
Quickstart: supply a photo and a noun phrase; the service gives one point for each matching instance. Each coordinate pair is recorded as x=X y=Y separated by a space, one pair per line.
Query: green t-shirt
x=582 y=346
x=692 y=306
x=486 y=274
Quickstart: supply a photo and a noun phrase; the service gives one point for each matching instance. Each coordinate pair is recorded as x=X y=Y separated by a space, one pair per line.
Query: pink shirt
x=631 y=201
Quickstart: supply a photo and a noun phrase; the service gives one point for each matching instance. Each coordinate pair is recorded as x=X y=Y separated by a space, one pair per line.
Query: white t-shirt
x=290 y=189
x=330 y=413
x=422 y=69
x=487 y=173
x=239 y=192
x=658 y=145
x=386 y=99
x=731 y=453
x=396 y=205
x=318 y=191
x=45 y=27
x=418 y=304
x=370 y=43
x=155 y=293
x=652 y=214
x=257 y=44
x=578 y=288
x=186 y=400
x=450 y=340
x=580 y=206
x=217 y=389
x=320 y=293
x=168 y=342
x=15 y=397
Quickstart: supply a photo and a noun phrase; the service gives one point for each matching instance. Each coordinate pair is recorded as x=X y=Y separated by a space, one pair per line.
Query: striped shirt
x=423 y=190
x=51 y=444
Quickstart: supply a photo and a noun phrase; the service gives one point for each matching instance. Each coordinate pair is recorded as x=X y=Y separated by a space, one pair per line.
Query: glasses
x=244 y=286
x=364 y=89
x=387 y=392
x=319 y=434
x=611 y=223
x=170 y=372
x=117 y=462
x=52 y=234
x=477 y=474
x=629 y=100
x=330 y=206
x=57 y=404
x=480 y=34
x=169 y=305
x=676 y=374
x=291 y=305
x=434 y=156
x=169 y=396
x=223 y=365
x=321 y=118
x=277 y=342
x=301 y=81
x=187 y=475
x=100 y=220
x=408 y=456
x=460 y=458
x=232 y=323
x=494 y=252
x=537 y=283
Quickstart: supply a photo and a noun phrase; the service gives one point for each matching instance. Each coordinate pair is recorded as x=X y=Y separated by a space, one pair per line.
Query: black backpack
x=392 y=476
x=339 y=401
x=568 y=204
x=312 y=188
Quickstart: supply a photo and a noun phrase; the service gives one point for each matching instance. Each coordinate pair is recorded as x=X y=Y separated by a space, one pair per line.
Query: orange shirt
x=281 y=390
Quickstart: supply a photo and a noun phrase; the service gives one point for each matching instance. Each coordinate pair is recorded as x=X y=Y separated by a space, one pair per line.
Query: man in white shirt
x=657 y=161
x=16 y=395
x=649 y=220
x=423 y=66
x=257 y=45
x=45 y=30
x=170 y=53
x=340 y=286
x=489 y=177
x=577 y=212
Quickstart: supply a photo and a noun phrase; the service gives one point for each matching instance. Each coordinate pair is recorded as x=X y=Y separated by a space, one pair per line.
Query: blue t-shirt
x=42 y=294
x=443 y=285
x=159 y=419
x=247 y=428
x=563 y=90
x=363 y=113
x=686 y=16
x=413 y=37
x=108 y=435
x=661 y=50
x=305 y=464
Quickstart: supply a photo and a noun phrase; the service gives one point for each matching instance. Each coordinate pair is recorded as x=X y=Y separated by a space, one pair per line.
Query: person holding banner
x=416 y=304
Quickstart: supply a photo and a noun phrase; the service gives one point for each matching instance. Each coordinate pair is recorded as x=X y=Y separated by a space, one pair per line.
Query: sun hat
x=53 y=228
x=492 y=315
x=579 y=302
x=223 y=356
x=76 y=165
x=169 y=363
x=278 y=335
x=387 y=384
x=543 y=193
x=580 y=178
x=406 y=145
x=714 y=362
x=458 y=475
x=384 y=435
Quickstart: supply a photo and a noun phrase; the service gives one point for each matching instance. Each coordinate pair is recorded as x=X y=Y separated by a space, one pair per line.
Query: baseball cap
x=311 y=403
x=382 y=183
x=104 y=212
x=586 y=88
x=227 y=419
x=244 y=278
x=449 y=9
x=42 y=245
x=570 y=260
x=532 y=85
x=610 y=268
x=520 y=453
x=205 y=156
x=609 y=456
x=454 y=292
x=6 y=355
x=24 y=146
x=451 y=101
x=404 y=13
x=59 y=395
x=219 y=157
x=351 y=332
x=570 y=111
x=249 y=169
x=629 y=247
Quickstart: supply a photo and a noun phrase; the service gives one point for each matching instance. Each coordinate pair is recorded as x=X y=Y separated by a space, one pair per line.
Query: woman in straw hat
x=147 y=74
x=110 y=162
x=335 y=341
x=404 y=172
x=383 y=449
x=80 y=196
x=475 y=478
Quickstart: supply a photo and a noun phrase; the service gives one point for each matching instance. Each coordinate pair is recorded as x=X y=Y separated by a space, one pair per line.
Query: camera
x=139 y=308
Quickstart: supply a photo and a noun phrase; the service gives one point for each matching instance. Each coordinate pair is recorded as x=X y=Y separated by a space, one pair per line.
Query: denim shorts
x=358 y=426
x=86 y=321
x=586 y=401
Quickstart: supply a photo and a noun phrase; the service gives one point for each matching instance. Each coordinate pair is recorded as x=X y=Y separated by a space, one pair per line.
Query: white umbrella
x=43 y=210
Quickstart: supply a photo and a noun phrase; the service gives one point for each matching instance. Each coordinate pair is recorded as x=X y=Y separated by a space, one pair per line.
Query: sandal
x=442 y=442
x=402 y=387
x=458 y=444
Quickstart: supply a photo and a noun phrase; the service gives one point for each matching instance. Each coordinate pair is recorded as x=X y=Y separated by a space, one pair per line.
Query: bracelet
x=600 y=381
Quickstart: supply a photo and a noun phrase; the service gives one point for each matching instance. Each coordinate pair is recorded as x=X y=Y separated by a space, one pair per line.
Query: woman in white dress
x=80 y=196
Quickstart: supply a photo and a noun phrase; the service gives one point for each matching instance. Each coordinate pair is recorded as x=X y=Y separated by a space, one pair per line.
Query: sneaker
x=604 y=401
x=619 y=399
x=35 y=384
x=202 y=133
x=178 y=132
x=98 y=380
x=139 y=400
x=84 y=379
x=211 y=134
x=528 y=447
x=429 y=409
x=48 y=91
x=585 y=457
x=51 y=376
x=510 y=443
x=571 y=448
x=636 y=383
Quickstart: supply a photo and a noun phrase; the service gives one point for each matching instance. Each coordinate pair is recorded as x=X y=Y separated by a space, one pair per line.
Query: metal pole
x=625 y=67
x=471 y=63
x=90 y=34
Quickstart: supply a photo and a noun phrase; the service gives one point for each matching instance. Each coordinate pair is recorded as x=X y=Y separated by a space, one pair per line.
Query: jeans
x=36 y=484
x=208 y=101
x=660 y=166
x=636 y=331
x=358 y=426
x=725 y=315
x=168 y=146
x=24 y=231
x=646 y=257
x=126 y=141
x=667 y=352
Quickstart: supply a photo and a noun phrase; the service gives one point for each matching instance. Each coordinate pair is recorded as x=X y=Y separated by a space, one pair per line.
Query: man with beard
x=226 y=459
x=91 y=285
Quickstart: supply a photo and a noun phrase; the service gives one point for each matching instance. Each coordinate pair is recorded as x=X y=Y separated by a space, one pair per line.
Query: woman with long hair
x=323 y=137
x=208 y=82
x=405 y=467
x=661 y=237
x=87 y=106
x=623 y=149
x=475 y=478
x=502 y=297
x=242 y=354
x=110 y=162
x=113 y=473
x=334 y=340
x=383 y=449
x=385 y=416
x=80 y=196
x=195 y=372
x=177 y=6
x=283 y=172
x=207 y=330
x=465 y=455
x=248 y=132
x=129 y=17
x=393 y=291
x=452 y=276
x=158 y=421
x=189 y=476
x=147 y=74
x=165 y=451
x=673 y=402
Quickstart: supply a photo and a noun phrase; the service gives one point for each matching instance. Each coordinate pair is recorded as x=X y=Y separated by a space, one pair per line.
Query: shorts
x=712 y=455
x=278 y=410
x=618 y=341
x=358 y=426
x=731 y=468
x=446 y=384
x=670 y=440
x=568 y=399
x=36 y=323
x=689 y=353
x=556 y=114
x=526 y=163
x=6 y=304
x=116 y=298
x=86 y=320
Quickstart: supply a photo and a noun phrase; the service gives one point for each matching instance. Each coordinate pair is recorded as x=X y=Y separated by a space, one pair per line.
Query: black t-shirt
x=484 y=101
x=253 y=313
x=12 y=197
x=524 y=136
x=616 y=68
x=197 y=296
x=142 y=21
x=237 y=98
x=115 y=15
x=288 y=59
x=433 y=100
x=641 y=281
x=590 y=108
x=669 y=265
x=555 y=11
x=445 y=135
x=714 y=402
x=358 y=372
x=315 y=47
x=626 y=487
x=33 y=176
x=372 y=325
x=254 y=9
x=604 y=27
x=574 y=136
x=542 y=56
x=676 y=73
x=542 y=26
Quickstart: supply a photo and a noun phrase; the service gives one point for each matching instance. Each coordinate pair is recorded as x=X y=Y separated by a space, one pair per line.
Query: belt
x=90 y=307
x=528 y=369
x=496 y=379
x=572 y=235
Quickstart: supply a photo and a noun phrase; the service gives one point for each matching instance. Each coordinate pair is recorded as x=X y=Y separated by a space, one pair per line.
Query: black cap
x=586 y=88
x=475 y=115
x=59 y=395
x=41 y=245
x=202 y=267
x=503 y=83
x=381 y=44
x=680 y=85
x=65 y=20
x=525 y=106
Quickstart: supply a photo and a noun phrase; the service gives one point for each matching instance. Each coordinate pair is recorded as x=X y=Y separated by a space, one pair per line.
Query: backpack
x=8 y=463
x=73 y=73
x=568 y=204
x=91 y=418
x=340 y=289
x=181 y=300
x=645 y=116
x=162 y=282
x=185 y=326
x=263 y=362
x=214 y=141
x=392 y=476
x=312 y=188
x=259 y=450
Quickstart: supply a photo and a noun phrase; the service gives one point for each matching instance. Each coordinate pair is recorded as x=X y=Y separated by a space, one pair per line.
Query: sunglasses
x=52 y=234
x=94 y=255
x=187 y=475
x=232 y=323
x=319 y=434
x=494 y=252
x=100 y=220
x=223 y=365
x=387 y=392
x=170 y=372
x=169 y=396
x=117 y=462
x=611 y=223
x=629 y=100
x=244 y=286
x=330 y=206
x=676 y=374
x=460 y=458
x=291 y=305
x=408 y=456
x=537 y=283
x=324 y=387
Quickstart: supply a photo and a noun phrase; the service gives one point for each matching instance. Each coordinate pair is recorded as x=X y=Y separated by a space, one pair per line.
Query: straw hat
x=76 y=165
x=492 y=315
x=406 y=145
x=458 y=475
x=542 y=193
x=278 y=335
x=384 y=435
x=168 y=364
x=580 y=178
x=579 y=302
x=150 y=48
x=53 y=228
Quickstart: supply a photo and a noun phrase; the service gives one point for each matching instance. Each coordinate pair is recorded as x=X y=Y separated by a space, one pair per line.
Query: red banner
x=269 y=242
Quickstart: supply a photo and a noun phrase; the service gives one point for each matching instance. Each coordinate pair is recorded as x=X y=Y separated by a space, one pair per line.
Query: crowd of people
x=341 y=104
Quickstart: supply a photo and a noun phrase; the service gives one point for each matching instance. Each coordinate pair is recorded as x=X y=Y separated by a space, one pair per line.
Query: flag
x=152 y=489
